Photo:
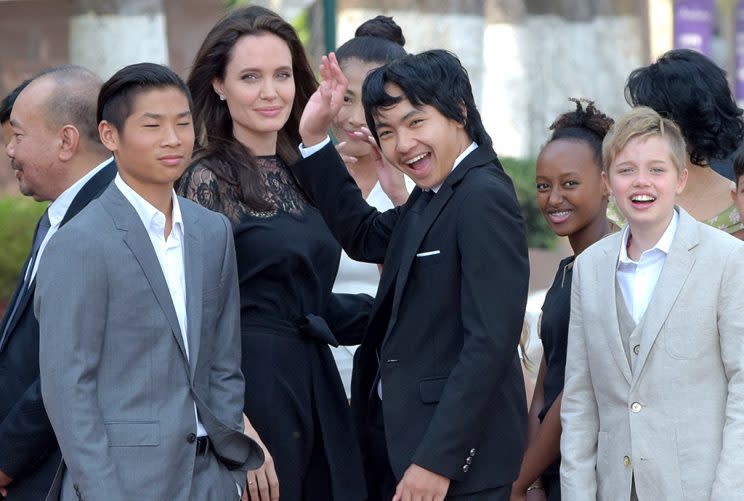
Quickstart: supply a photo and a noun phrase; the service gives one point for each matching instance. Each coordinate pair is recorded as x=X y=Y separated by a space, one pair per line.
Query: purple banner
x=693 y=24
x=740 y=51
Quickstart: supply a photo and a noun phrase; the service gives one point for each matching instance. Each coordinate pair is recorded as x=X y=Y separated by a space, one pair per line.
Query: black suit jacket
x=447 y=317
x=28 y=449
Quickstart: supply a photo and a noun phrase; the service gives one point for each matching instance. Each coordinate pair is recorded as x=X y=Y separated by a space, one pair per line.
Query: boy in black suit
x=437 y=391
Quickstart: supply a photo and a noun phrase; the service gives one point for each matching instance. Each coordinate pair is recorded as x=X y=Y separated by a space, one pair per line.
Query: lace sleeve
x=201 y=185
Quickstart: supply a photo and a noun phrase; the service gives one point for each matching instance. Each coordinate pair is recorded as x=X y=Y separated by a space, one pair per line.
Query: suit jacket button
x=635 y=407
x=465 y=468
x=626 y=461
x=191 y=438
x=472 y=452
x=637 y=349
x=468 y=460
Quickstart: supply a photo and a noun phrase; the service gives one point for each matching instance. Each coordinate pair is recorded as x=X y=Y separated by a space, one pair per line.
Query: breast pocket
x=428 y=258
x=692 y=336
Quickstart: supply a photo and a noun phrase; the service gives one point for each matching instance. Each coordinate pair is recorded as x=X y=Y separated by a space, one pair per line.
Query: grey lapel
x=677 y=268
x=193 y=259
x=606 y=283
x=136 y=238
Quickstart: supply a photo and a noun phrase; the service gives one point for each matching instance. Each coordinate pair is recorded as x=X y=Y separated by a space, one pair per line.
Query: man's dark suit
x=28 y=449
x=446 y=321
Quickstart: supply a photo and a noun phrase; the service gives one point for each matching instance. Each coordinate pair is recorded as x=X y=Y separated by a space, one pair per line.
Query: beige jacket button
x=626 y=461
x=637 y=349
x=635 y=407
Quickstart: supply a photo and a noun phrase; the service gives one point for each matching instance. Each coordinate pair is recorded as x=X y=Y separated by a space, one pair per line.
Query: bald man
x=57 y=157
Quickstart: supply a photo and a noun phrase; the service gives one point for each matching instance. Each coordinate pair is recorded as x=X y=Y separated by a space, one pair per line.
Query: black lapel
x=91 y=190
x=480 y=156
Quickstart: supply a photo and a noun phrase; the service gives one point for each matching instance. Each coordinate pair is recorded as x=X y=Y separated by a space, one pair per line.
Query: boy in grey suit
x=137 y=302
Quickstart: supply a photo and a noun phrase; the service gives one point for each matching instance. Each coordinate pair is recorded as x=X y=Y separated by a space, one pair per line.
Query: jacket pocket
x=133 y=433
x=430 y=389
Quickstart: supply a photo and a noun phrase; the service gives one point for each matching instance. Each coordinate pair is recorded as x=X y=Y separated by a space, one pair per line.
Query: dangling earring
x=222 y=98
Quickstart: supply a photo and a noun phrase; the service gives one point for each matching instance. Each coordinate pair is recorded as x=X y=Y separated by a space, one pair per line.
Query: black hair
x=435 y=78
x=378 y=40
x=217 y=147
x=688 y=88
x=6 y=105
x=117 y=96
x=738 y=165
x=583 y=124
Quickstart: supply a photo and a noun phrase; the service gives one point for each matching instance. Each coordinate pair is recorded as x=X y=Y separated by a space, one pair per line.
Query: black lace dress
x=287 y=263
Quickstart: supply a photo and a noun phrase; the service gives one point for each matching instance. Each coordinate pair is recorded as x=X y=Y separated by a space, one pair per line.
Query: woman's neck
x=590 y=234
x=260 y=144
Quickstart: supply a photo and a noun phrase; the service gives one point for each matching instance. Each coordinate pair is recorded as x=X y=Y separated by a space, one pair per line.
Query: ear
x=464 y=111
x=219 y=87
x=606 y=189
x=681 y=181
x=109 y=135
x=70 y=138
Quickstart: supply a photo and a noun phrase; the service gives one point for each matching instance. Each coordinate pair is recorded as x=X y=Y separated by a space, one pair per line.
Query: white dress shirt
x=170 y=256
x=637 y=279
x=58 y=208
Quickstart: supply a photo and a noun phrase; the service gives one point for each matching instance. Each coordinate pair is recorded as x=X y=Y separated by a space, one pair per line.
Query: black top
x=287 y=263
x=289 y=241
x=554 y=332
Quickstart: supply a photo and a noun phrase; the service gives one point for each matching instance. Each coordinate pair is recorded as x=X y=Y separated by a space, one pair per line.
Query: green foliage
x=18 y=218
x=522 y=173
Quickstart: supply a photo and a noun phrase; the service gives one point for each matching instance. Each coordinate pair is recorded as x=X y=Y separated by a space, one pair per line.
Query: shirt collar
x=151 y=217
x=459 y=159
x=58 y=208
x=663 y=245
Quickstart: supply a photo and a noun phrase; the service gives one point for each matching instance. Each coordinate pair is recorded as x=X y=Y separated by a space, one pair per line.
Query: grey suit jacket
x=115 y=379
x=675 y=421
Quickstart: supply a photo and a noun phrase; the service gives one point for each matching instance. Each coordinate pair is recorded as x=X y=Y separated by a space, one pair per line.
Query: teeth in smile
x=643 y=198
x=416 y=158
x=560 y=213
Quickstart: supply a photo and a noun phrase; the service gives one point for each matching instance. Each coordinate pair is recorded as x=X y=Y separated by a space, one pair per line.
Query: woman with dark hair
x=688 y=88
x=250 y=82
x=376 y=42
x=573 y=199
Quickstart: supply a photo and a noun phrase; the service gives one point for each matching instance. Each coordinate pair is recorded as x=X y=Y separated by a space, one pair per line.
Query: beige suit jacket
x=674 y=421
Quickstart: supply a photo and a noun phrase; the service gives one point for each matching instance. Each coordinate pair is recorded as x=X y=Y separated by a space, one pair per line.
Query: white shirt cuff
x=306 y=151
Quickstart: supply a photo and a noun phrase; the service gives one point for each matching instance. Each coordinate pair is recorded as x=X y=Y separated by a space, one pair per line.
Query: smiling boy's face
x=155 y=142
x=645 y=182
x=419 y=140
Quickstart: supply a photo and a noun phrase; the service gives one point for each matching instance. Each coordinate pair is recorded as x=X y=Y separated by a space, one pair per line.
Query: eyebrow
x=405 y=117
x=259 y=70
x=157 y=116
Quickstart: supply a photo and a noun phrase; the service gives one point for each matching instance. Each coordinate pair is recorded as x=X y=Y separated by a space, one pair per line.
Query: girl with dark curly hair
x=573 y=199
x=688 y=88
